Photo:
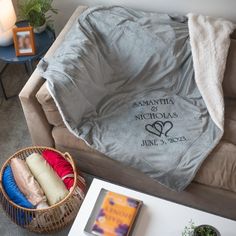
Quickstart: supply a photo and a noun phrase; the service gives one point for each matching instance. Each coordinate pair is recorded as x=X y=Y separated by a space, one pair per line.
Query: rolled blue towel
x=15 y=195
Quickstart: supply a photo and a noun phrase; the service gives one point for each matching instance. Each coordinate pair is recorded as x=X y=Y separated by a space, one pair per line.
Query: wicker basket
x=46 y=220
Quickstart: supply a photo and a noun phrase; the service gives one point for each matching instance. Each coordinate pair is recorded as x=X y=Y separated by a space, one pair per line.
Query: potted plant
x=201 y=230
x=36 y=12
x=206 y=230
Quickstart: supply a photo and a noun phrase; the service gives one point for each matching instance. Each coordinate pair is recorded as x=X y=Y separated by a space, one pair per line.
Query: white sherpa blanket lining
x=210 y=41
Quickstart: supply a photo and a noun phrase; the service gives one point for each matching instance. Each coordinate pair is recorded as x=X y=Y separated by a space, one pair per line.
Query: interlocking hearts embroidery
x=158 y=128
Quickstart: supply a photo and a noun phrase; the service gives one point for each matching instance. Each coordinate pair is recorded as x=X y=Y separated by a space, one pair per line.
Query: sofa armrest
x=39 y=128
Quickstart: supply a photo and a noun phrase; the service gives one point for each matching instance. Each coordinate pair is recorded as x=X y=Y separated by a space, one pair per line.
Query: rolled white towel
x=50 y=182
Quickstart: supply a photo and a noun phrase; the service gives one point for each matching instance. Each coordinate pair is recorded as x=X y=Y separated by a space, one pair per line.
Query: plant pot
x=195 y=233
x=40 y=29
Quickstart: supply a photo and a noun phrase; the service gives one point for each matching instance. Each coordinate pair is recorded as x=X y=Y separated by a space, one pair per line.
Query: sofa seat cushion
x=219 y=168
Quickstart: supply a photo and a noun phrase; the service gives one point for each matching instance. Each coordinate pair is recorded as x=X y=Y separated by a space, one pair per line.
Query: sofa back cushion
x=49 y=107
x=229 y=82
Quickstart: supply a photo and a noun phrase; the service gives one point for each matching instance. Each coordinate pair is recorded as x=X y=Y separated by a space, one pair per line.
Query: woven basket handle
x=68 y=157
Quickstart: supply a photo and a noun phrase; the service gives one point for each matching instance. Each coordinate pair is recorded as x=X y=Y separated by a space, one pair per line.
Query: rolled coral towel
x=27 y=183
x=50 y=182
x=64 y=170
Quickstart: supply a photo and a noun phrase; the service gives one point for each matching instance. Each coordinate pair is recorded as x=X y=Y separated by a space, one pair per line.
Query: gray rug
x=14 y=135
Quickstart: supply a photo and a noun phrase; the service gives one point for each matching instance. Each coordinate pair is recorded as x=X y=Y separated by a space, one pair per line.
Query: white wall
x=220 y=8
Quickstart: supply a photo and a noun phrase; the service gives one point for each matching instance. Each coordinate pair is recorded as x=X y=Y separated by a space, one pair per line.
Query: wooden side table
x=43 y=42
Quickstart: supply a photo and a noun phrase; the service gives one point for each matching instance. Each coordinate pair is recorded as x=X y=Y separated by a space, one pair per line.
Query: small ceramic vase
x=40 y=29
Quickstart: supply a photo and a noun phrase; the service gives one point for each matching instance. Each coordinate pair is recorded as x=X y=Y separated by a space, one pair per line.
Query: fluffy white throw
x=210 y=41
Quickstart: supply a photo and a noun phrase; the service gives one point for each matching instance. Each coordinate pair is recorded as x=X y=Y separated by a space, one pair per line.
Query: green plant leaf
x=35 y=10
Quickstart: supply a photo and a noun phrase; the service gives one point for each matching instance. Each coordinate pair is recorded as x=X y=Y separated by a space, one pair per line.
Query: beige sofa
x=214 y=187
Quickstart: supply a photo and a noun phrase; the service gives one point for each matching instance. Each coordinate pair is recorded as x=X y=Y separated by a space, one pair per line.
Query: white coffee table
x=158 y=217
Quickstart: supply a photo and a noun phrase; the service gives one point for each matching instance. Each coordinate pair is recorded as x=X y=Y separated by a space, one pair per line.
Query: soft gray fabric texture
x=123 y=81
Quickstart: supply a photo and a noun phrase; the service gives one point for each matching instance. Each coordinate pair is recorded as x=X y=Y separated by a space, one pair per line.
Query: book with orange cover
x=116 y=215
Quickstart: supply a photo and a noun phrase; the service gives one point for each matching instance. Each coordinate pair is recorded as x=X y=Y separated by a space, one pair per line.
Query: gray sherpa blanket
x=124 y=82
